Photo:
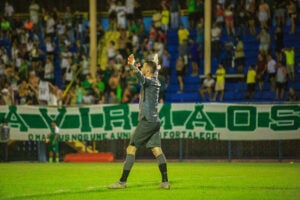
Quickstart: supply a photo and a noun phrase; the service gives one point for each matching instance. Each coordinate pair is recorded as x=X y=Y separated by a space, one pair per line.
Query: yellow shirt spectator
x=220 y=74
x=183 y=34
x=165 y=17
x=251 y=76
x=289 y=56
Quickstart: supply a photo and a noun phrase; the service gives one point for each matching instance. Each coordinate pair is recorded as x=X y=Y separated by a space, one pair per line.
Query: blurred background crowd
x=44 y=51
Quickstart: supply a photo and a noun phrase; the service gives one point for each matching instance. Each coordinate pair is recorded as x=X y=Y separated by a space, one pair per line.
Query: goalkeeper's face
x=147 y=70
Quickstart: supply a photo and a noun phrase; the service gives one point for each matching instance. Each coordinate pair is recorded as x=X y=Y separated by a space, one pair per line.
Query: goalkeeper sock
x=130 y=158
x=162 y=164
x=57 y=159
x=50 y=160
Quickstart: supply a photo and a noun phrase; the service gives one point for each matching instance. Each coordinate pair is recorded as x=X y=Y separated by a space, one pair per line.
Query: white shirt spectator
x=215 y=33
x=49 y=69
x=130 y=6
x=65 y=55
x=50 y=25
x=208 y=83
x=49 y=47
x=121 y=16
x=44 y=91
x=271 y=66
x=8 y=10
x=34 y=9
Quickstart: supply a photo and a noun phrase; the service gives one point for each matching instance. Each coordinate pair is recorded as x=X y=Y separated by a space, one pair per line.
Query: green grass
x=189 y=180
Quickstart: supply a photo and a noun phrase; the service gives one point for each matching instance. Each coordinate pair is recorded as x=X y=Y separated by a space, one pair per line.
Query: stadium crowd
x=45 y=57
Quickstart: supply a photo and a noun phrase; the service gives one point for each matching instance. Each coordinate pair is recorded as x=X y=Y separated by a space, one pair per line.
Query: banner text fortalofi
x=190 y=121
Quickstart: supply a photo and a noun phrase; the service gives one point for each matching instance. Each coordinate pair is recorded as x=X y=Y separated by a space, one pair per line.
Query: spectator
x=200 y=39
x=23 y=92
x=191 y=8
x=215 y=40
x=280 y=12
x=174 y=10
x=264 y=41
x=8 y=10
x=199 y=10
x=166 y=71
x=183 y=34
x=229 y=20
x=239 y=55
x=207 y=86
x=34 y=10
x=23 y=69
x=264 y=14
x=219 y=15
x=7 y=97
x=129 y=4
x=165 y=18
x=50 y=47
x=163 y=87
x=5 y=26
x=114 y=87
x=69 y=72
x=79 y=93
x=35 y=55
x=290 y=62
x=194 y=56
x=183 y=51
x=241 y=20
x=65 y=54
x=251 y=80
x=156 y=19
x=261 y=68
x=291 y=9
x=220 y=83
x=49 y=70
x=50 y=26
x=292 y=97
x=2 y=71
x=161 y=36
x=121 y=15
x=111 y=51
x=43 y=92
x=85 y=66
x=152 y=36
x=180 y=71
x=158 y=47
x=281 y=81
x=271 y=69
x=55 y=96
x=68 y=20
x=278 y=40
x=88 y=98
x=251 y=13
x=112 y=13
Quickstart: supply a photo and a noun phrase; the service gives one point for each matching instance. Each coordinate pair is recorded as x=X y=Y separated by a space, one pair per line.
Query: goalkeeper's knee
x=131 y=150
x=156 y=151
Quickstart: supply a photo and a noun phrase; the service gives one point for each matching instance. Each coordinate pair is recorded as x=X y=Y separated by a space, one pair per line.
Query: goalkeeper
x=147 y=131
x=53 y=142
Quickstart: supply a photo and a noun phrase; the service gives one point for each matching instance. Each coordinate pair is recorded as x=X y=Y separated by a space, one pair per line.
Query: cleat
x=165 y=185
x=117 y=185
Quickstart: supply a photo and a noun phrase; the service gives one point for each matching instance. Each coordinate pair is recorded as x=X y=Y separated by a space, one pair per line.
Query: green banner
x=191 y=121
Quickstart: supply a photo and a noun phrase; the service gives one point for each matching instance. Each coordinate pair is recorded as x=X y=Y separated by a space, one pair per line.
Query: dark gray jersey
x=148 y=97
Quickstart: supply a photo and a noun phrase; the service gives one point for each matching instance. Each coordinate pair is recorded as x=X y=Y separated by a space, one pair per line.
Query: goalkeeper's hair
x=152 y=65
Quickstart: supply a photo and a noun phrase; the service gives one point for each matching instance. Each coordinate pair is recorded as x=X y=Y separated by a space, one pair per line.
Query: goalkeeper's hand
x=131 y=59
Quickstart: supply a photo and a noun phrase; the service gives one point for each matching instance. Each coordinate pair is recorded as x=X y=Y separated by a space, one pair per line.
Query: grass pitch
x=189 y=180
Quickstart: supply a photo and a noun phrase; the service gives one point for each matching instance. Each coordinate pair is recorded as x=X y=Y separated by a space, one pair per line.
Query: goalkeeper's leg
x=162 y=163
x=129 y=161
